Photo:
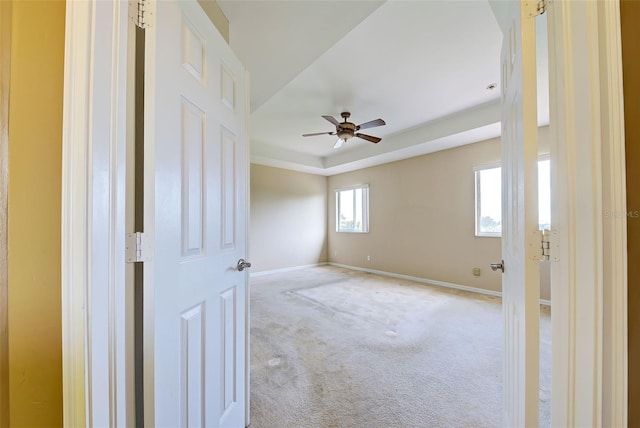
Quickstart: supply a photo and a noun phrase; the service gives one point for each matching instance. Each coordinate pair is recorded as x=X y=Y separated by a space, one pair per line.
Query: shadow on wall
x=288 y=218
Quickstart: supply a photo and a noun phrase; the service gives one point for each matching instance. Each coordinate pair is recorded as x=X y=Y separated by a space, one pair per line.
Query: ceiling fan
x=346 y=130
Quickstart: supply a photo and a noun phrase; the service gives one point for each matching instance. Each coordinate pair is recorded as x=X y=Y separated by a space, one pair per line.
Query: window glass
x=489 y=199
x=544 y=194
x=352 y=207
x=489 y=202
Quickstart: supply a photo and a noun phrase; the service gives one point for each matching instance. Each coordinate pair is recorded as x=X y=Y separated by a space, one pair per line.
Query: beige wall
x=630 y=17
x=288 y=218
x=422 y=218
x=215 y=14
x=35 y=144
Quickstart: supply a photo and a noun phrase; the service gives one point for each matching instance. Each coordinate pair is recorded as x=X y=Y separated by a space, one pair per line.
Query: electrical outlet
x=476 y=271
x=368 y=258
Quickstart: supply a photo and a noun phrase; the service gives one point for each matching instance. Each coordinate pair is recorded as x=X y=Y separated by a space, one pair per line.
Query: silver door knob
x=496 y=266
x=243 y=264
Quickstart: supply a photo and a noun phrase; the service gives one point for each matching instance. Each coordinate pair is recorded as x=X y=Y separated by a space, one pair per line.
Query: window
x=488 y=201
x=544 y=194
x=489 y=198
x=352 y=209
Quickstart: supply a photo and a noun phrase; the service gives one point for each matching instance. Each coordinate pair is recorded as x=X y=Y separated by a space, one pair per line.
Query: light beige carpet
x=332 y=347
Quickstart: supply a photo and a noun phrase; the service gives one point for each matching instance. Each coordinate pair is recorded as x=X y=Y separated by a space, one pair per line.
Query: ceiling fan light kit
x=346 y=130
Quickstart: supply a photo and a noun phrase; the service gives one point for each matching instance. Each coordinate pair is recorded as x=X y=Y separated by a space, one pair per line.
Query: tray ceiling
x=422 y=66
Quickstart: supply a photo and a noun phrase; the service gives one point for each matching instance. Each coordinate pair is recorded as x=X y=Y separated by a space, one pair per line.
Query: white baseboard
x=287 y=269
x=430 y=281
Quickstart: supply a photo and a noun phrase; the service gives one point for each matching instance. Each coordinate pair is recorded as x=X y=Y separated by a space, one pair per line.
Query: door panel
x=229 y=174
x=520 y=242
x=195 y=212
x=192 y=329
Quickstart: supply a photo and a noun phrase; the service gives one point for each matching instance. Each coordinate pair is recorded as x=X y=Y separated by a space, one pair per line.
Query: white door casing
x=97 y=343
x=589 y=283
x=520 y=251
x=195 y=214
x=614 y=197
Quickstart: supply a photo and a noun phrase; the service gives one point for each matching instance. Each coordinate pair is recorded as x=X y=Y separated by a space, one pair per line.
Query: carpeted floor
x=332 y=347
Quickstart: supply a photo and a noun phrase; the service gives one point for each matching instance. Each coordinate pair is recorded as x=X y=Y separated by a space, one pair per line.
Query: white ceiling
x=423 y=66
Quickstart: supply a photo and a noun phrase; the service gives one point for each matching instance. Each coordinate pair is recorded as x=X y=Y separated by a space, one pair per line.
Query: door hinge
x=535 y=7
x=547 y=243
x=137 y=248
x=140 y=13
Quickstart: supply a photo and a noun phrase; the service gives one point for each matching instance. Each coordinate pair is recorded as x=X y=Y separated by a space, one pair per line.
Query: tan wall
x=212 y=9
x=288 y=218
x=630 y=17
x=35 y=143
x=422 y=215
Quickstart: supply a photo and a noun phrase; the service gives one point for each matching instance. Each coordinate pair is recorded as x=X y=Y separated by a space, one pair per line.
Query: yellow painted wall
x=35 y=156
x=5 y=56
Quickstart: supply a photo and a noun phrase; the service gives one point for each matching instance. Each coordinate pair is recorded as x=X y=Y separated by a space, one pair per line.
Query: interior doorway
x=589 y=399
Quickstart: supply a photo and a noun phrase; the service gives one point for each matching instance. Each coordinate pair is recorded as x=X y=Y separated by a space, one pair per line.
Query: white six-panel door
x=195 y=214
x=520 y=245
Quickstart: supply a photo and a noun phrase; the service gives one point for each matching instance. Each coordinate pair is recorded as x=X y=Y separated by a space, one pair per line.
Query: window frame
x=365 y=208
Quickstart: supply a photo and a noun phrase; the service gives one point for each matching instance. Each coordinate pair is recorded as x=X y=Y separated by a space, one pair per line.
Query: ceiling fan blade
x=319 y=133
x=369 y=138
x=371 y=124
x=338 y=143
x=331 y=119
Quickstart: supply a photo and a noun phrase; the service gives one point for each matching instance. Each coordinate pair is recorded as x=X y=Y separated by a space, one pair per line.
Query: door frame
x=96 y=343
x=589 y=282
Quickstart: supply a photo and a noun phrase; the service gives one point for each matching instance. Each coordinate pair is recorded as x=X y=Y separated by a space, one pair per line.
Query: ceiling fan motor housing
x=345 y=130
